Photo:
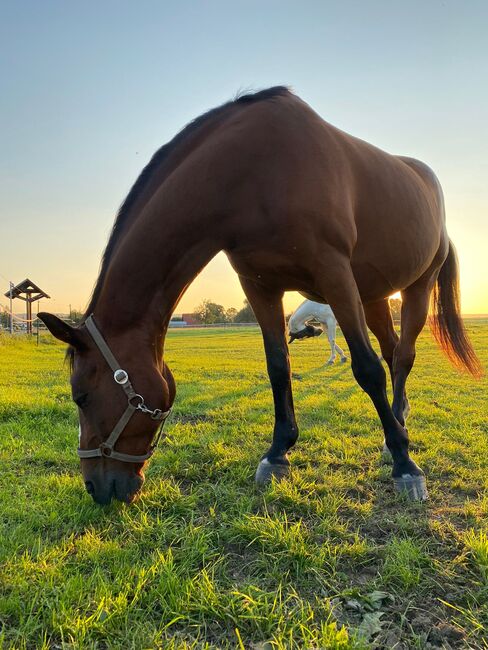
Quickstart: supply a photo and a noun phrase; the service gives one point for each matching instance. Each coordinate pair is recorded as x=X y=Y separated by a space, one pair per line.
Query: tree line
x=209 y=312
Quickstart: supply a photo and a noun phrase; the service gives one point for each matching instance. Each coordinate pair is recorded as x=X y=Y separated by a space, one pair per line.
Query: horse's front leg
x=268 y=308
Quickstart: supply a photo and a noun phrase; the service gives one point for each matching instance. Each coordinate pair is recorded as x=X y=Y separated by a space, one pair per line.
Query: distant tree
x=210 y=312
x=4 y=318
x=246 y=314
x=396 y=308
x=230 y=314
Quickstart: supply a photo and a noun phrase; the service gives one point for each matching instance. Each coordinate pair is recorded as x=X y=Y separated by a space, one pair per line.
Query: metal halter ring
x=140 y=405
x=106 y=450
x=121 y=377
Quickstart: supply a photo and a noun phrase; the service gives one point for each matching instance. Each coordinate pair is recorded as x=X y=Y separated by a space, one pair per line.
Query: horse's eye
x=80 y=400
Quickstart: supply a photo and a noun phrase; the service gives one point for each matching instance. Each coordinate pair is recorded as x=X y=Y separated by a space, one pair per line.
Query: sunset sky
x=91 y=89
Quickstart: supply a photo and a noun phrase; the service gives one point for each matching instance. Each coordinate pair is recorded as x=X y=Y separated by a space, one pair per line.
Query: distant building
x=191 y=319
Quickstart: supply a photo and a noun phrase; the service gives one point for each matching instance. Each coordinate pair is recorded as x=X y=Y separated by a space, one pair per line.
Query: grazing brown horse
x=296 y=204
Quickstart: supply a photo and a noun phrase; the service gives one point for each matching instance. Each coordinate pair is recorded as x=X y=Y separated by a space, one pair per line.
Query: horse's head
x=123 y=393
x=307 y=332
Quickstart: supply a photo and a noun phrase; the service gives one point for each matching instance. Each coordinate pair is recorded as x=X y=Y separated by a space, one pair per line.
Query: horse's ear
x=61 y=330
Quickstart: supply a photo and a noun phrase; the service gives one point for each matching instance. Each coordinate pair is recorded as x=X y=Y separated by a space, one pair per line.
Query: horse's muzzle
x=122 y=486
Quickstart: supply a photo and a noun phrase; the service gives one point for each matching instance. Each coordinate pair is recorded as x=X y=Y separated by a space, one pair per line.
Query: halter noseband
x=135 y=402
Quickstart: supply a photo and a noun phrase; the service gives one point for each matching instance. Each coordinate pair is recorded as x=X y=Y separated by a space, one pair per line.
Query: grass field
x=331 y=558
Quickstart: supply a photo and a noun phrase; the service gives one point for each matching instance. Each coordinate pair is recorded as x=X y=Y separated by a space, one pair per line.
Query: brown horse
x=295 y=204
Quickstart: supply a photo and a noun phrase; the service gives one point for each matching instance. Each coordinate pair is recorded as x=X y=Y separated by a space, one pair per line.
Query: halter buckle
x=121 y=377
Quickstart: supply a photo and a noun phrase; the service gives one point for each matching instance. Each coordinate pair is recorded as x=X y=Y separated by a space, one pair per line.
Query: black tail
x=446 y=323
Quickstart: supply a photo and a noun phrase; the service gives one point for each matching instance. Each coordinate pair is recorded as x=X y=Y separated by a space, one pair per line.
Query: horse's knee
x=277 y=362
x=369 y=373
x=279 y=371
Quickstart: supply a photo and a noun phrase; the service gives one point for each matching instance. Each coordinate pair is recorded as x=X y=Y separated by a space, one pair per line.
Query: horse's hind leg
x=379 y=321
x=340 y=290
x=268 y=308
x=331 y=325
x=331 y=334
x=415 y=307
x=338 y=349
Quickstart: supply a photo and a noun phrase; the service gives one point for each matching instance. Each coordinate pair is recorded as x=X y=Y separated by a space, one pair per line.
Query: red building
x=191 y=319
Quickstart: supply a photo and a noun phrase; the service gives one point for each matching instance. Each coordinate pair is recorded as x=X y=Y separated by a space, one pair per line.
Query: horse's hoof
x=266 y=471
x=412 y=486
x=329 y=362
x=343 y=359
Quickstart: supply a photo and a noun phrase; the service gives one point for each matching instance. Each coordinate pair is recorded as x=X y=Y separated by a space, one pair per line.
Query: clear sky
x=89 y=90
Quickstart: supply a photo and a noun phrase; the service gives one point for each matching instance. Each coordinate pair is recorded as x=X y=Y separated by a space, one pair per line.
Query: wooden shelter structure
x=29 y=292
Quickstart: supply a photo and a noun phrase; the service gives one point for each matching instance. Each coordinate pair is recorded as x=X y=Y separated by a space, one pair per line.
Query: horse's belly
x=386 y=271
x=392 y=253
x=382 y=274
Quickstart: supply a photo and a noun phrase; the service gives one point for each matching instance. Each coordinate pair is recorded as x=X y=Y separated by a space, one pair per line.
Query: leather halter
x=135 y=402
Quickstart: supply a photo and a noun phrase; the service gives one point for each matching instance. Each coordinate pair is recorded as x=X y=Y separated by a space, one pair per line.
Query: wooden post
x=11 y=312
x=29 y=314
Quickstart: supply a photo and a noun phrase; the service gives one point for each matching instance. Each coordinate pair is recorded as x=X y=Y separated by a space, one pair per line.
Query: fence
x=18 y=325
x=180 y=326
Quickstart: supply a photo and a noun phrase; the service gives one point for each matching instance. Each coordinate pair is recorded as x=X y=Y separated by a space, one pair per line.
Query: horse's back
x=309 y=188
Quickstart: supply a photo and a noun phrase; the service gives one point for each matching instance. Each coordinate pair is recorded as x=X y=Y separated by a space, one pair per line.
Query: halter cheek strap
x=135 y=402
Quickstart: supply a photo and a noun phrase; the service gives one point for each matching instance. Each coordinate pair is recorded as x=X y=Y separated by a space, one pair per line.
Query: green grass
x=331 y=558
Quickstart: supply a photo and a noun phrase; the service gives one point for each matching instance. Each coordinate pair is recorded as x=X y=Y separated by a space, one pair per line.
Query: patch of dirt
x=444 y=633
x=443 y=407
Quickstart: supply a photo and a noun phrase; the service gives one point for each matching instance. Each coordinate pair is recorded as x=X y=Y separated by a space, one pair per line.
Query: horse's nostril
x=90 y=488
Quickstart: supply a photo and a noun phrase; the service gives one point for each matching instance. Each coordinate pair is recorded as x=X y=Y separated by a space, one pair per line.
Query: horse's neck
x=309 y=309
x=295 y=324
x=158 y=258
x=300 y=317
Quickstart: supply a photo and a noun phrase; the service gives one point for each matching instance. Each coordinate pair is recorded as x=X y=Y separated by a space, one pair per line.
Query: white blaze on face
x=79 y=435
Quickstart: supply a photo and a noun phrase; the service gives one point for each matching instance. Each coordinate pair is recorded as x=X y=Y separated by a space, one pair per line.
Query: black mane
x=123 y=215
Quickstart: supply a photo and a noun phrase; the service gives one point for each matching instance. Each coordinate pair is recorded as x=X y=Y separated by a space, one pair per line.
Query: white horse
x=298 y=328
